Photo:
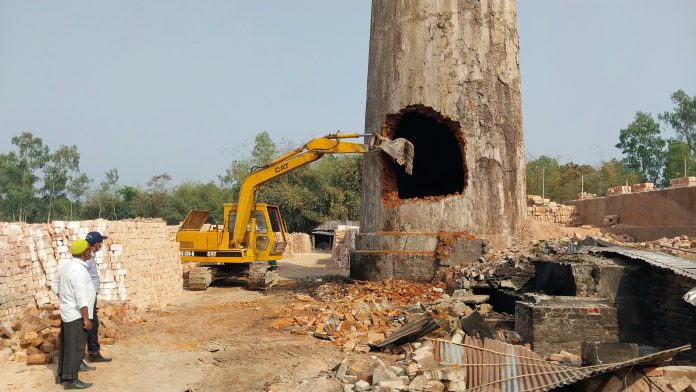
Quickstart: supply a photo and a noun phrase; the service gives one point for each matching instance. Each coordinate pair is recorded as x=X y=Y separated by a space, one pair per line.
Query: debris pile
x=469 y=364
x=355 y=315
x=545 y=210
x=681 y=242
x=32 y=336
x=682 y=246
x=506 y=273
x=416 y=370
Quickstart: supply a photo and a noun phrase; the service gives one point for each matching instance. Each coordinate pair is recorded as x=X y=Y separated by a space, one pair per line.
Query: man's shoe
x=85 y=367
x=77 y=384
x=98 y=358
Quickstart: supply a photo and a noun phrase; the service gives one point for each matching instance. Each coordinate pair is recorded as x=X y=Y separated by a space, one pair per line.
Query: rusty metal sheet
x=497 y=366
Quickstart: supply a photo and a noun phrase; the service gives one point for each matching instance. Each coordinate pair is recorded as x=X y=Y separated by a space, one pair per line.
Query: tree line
x=39 y=185
x=648 y=156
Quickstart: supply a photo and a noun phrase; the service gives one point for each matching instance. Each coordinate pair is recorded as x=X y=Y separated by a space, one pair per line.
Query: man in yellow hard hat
x=76 y=300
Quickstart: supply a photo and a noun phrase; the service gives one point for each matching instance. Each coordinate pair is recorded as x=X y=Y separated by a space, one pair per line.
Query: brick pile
x=682 y=182
x=27 y=263
x=31 y=337
x=619 y=190
x=141 y=263
x=354 y=315
x=344 y=243
x=297 y=243
x=417 y=370
x=643 y=187
x=682 y=246
x=138 y=263
x=545 y=210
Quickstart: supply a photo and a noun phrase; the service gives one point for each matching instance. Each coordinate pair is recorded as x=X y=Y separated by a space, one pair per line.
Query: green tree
x=29 y=159
x=679 y=159
x=614 y=173
x=10 y=186
x=683 y=118
x=263 y=152
x=643 y=148
x=572 y=178
x=62 y=167
x=76 y=189
x=108 y=192
x=543 y=175
x=130 y=207
x=188 y=195
x=156 y=195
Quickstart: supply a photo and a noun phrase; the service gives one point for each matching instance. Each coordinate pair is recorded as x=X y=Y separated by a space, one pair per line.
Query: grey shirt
x=93 y=273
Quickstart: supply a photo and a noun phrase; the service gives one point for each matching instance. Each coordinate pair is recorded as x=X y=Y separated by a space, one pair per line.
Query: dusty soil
x=214 y=340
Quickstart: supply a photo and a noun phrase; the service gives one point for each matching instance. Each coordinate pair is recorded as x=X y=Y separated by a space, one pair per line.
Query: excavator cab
x=217 y=256
x=269 y=235
x=265 y=237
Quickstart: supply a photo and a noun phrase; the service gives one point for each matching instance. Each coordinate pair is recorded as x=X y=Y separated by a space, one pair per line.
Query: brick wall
x=139 y=262
x=645 y=216
x=555 y=327
x=674 y=320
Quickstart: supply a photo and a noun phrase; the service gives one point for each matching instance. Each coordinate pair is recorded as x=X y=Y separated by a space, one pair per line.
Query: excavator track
x=262 y=275
x=200 y=278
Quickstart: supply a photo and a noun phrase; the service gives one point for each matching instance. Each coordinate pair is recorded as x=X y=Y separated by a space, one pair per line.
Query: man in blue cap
x=95 y=240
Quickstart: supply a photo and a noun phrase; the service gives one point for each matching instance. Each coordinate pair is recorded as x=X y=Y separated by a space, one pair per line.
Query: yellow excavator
x=253 y=235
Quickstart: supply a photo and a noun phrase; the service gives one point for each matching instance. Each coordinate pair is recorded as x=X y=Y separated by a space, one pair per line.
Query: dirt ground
x=214 y=340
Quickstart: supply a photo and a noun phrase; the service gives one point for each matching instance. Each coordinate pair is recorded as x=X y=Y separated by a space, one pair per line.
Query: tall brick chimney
x=443 y=74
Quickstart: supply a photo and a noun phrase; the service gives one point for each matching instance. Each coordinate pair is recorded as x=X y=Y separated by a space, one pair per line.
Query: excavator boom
x=401 y=150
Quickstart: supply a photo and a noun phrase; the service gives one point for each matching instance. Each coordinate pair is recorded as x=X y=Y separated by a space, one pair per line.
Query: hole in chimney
x=438 y=162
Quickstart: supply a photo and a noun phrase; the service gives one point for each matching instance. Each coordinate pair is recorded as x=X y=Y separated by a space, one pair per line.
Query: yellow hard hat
x=78 y=246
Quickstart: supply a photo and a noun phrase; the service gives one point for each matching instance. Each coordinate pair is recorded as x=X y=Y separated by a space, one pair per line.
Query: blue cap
x=94 y=237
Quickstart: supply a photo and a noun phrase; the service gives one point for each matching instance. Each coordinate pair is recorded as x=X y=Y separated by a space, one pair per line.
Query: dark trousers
x=93 y=335
x=73 y=338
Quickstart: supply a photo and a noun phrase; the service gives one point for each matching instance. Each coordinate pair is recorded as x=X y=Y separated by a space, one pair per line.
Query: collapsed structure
x=445 y=76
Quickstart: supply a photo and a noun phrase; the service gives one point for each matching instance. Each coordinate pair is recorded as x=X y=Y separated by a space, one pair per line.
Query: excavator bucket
x=401 y=150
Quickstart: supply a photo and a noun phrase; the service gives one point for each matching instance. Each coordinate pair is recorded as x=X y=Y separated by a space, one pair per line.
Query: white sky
x=182 y=87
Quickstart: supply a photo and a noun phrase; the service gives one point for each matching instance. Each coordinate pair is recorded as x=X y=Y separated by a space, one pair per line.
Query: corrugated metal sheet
x=675 y=264
x=497 y=366
x=411 y=331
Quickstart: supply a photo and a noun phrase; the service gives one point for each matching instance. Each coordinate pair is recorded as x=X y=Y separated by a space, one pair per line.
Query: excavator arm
x=400 y=149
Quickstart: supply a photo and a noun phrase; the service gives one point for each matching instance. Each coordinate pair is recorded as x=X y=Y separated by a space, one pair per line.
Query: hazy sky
x=182 y=87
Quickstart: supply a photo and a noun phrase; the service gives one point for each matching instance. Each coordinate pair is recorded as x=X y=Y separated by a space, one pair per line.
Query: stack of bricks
x=297 y=243
x=643 y=187
x=343 y=244
x=545 y=210
x=586 y=195
x=682 y=182
x=619 y=190
x=139 y=262
x=28 y=261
